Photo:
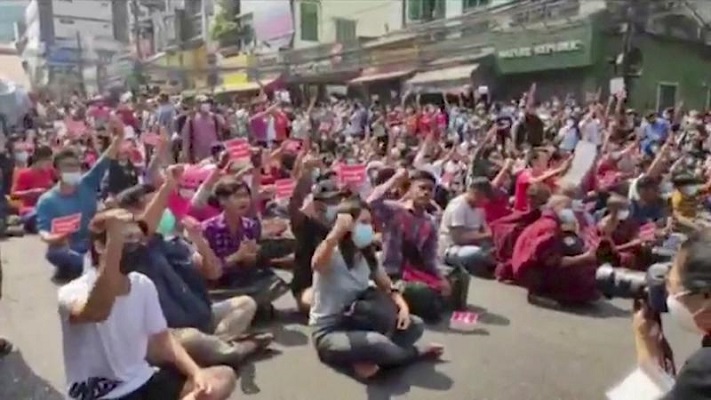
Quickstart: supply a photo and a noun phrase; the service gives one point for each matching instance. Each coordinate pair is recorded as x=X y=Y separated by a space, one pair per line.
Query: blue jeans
x=29 y=222
x=475 y=259
x=69 y=261
x=343 y=348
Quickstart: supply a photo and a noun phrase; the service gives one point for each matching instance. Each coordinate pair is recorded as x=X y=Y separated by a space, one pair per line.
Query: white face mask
x=682 y=315
x=690 y=190
x=71 y=178
x=623 y=214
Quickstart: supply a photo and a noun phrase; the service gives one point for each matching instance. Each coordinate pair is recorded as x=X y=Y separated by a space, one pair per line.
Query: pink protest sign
x=75 y=128
x=238 y=148
x=284 y=188
x=150 y=138
x=352 y=174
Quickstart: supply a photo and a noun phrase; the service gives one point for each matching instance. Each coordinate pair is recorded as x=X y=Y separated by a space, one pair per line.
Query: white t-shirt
x=591 y=131
x=107 y=360
x=459 y=214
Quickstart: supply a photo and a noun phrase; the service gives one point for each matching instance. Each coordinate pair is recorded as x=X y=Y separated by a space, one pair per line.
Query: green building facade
x=577 y=59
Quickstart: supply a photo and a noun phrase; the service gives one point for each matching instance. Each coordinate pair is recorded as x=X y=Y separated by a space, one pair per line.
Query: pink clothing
x=199 y=134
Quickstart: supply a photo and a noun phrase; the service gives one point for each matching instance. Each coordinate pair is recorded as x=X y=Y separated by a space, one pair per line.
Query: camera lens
x=620 y=282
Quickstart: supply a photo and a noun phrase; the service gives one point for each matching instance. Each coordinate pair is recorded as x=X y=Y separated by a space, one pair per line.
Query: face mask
x=315 y=173
x=133 y=255
x=567 y=216
x=186 y=193
x=71 y=178
x=166 y=226
x=21 y=156
x=690 y=190
x=362 y=235
x=623 y=214
x=578 y=204
x=681 y=314
x=330 y=213
x=204 y=108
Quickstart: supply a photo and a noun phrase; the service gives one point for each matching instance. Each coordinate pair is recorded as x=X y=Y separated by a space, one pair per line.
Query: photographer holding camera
x=688 y=300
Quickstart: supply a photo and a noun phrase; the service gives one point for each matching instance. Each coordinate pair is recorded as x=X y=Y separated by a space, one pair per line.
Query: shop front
x=453 y=75
x=386 y=68
x=567 y=60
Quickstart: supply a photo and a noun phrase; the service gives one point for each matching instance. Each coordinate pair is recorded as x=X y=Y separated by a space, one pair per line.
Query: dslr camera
x=623 y=283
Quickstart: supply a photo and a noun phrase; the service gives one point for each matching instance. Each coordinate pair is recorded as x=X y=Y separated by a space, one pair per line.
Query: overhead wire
x=435 y=48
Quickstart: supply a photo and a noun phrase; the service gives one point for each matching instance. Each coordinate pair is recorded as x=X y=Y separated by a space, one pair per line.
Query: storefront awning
x=247 y=86
x=443 y=78
x=365 y=78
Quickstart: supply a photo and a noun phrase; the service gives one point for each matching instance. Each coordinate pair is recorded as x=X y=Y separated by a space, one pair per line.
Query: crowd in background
x=166 y=220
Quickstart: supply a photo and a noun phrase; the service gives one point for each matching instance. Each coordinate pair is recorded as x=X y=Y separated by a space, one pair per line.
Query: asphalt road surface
x=520 y=353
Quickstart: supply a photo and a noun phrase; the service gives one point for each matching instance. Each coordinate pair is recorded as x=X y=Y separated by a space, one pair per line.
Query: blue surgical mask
x=567 y=216
x=71 y=178
x=166 y=226
x=330 y=213
x=363 y=235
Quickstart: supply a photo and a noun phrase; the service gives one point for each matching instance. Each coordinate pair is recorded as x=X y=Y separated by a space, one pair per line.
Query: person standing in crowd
x=166 y=113
x=113 y=327
x=200 y=131
x=74 y=198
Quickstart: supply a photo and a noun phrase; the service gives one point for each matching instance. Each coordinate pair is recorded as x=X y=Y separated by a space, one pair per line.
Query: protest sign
x=463 y=321
x=66 y=225
x=583 y=161
x=150 y=138
x=284 y=188
x=647 y=232
x=238 y=148
x=352 y=174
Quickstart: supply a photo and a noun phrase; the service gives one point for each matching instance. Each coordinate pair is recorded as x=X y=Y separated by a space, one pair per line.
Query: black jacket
x=693 y=382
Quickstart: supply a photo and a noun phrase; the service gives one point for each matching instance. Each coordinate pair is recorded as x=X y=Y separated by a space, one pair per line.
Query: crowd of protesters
x=165 y=220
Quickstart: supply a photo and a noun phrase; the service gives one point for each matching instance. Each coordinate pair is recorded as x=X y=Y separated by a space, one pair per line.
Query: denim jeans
x=29 y=221
x=342 y=348
x=68 y=261
x=475 y=259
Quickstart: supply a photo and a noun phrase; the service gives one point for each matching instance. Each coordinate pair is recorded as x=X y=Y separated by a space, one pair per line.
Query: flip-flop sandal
x=5 y=347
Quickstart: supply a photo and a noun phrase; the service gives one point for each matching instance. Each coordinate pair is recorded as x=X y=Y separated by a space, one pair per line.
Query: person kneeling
x=355 y=326
x=112 y=325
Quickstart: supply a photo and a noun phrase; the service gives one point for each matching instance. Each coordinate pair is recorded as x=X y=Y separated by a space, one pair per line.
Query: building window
x=666 y=95
x=425 y=10
x=345 y=30
x=469 y=4
x=309 y=21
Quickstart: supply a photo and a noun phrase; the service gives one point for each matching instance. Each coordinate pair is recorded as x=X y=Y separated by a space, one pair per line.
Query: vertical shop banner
x=272 y=21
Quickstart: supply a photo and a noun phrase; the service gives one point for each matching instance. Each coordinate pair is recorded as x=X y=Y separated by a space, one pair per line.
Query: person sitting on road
x=213 y=334
x=234 y=236
x=410 y=247
x=355 y=326
x=64 y=212
x=310 y=222
x=30 y=183
x=552 y=260
x=505 y=231
x=113 y=328
x=464 y=236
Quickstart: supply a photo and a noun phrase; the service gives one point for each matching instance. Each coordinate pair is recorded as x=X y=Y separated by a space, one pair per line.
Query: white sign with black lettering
x=542 y=49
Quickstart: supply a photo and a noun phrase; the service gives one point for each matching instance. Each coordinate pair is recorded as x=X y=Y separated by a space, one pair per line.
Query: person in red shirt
x=31 y=182
x=281 y=124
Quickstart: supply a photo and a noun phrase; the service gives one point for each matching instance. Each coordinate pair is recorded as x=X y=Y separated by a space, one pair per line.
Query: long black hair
x=354 y=206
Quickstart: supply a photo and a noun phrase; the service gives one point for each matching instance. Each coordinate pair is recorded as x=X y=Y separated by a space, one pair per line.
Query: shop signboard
x=531 y=51
x=323 y=59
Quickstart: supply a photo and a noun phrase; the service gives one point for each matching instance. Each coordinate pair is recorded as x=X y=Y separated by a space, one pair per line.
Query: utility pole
x=80 y=64
x=136 y=29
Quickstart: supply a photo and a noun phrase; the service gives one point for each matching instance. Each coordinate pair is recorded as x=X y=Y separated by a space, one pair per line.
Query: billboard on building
x=272 y=21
